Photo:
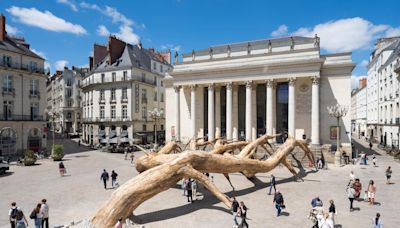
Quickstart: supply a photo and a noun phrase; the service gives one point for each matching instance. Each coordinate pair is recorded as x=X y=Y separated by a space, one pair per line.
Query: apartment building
x=124 y=84
x=64 y=100
x=383 y=98
x=359 y=110
x=23 y=96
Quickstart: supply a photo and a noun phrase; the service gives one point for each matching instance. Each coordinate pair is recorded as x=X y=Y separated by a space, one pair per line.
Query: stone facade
x=359 y=110
x=265 y=86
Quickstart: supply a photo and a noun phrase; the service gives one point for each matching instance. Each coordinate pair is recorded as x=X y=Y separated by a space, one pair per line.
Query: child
x=365 y=196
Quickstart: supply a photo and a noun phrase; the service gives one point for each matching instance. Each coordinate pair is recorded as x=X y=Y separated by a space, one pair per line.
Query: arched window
x=34 y=140
x=8 y=141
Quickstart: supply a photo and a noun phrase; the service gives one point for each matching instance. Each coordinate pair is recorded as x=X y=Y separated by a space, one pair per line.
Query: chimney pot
x=3 y=32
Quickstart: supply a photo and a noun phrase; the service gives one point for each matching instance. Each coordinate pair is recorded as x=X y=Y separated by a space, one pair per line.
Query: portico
x=243 y=90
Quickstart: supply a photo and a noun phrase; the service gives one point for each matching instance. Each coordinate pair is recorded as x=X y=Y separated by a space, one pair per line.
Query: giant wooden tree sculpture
x=161 y=171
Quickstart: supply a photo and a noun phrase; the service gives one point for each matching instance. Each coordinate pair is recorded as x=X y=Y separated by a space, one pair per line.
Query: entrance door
x=282 y=109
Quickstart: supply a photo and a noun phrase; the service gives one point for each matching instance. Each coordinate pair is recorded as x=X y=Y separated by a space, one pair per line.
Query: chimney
x=3 y=32
x=90 y=62
x=115 y=49
x=99 y=53
x=362 y=83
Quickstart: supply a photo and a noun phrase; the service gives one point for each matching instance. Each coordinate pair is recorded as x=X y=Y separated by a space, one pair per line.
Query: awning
x=124 y=134
x=141 y=134
x=102 y=134
x=112 y=134
x=104 y=140
x=136 y=141
x=124 y=140
x=113 y=140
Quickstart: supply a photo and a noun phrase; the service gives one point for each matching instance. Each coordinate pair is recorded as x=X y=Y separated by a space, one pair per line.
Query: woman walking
x=377 y=221
x=243 y=210
x=37 y=216
x=371 y=192
x=20 y=219
x=194 y=189
x=61 y=168
x=388 y=174
x=350 y=194
x=332 y=211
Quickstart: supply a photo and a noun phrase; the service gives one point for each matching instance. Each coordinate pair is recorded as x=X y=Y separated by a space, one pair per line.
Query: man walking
x=104 y=176
x=278 y=200
x=189 y=190
x=351 y=194
x=113 y=178
x=234 y=208
x=13 y=214
x=44 y=210
x=272 y=184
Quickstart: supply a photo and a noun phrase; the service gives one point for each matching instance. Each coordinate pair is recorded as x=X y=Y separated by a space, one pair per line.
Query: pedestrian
x=194 y=189
x=357 y=188
x=239 y=216
x=316 y=202
x=365 y=196
x=370 y=145
x=350 y=194
x=371 y=192
x=388 y=174
x=234 y=208
x=104 y=176
x=20 y=219
x=184 y=183
x=243 y=211
x=374 y=161
x=272 y=184
x=189 y=190
x=132 y=157
x=377 y=221
x=126 y=153
x=114 y=179
x=12 y=214
x=326 y=222
x=37 y=216
x=352 y=176
x=62 y=169
x=279 y=203
x=319 y=163
x=332 y=211
x=119 y=223
x=79 y=143
x=319 y=212
x=45 y=211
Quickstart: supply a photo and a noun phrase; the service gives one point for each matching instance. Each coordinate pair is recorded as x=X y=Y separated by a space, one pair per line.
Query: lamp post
x=53 y=116
x=155 y=114
x=337 y=111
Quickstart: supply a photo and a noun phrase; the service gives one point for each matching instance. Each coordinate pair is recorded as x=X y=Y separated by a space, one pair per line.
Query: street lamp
x=337 y=111
x=53 y=116
x=155 y=114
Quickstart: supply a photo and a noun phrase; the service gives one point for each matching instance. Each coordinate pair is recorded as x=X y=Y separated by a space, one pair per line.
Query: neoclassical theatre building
x=242 y=90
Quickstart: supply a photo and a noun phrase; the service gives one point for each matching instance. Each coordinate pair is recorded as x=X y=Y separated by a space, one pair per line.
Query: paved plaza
x=79 y=194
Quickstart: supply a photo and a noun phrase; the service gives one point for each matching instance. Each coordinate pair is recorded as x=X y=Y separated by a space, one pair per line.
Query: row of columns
x=213 y=131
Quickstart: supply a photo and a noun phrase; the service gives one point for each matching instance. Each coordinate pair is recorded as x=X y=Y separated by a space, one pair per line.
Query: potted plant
x=58 y=152
x=29 y=158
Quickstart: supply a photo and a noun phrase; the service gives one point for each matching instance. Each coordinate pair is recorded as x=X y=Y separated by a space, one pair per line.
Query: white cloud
x=39 y=53
x=125 y=31
x=60 y=64
x=281 y=31
x=47 y=65
x=102 y=30
x=391 y=32
x=70 y=4
x=45 y=20
x=143 y=26
x=354 y=81
x=11 y=30
x=347 y=34
x=171 y=47
x=364 y=63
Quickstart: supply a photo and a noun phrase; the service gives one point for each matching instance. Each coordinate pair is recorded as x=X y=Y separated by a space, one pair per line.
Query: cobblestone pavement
x=78 y=195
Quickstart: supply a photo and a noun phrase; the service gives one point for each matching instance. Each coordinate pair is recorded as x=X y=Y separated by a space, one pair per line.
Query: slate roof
x=15 y=45
x=395 y=46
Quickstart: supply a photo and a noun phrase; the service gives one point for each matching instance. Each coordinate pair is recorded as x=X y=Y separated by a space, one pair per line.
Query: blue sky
x=64 y=30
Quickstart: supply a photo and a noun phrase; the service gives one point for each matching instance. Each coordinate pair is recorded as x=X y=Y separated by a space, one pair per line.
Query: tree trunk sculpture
x=159 y=172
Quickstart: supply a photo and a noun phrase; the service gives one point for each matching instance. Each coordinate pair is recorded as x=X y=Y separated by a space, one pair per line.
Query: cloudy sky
x=63 y=31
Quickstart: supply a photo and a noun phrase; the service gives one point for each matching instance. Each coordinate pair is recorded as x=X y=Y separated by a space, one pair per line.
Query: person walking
x=12 y=214
x=352 y=176
x=126 y=153
x=332 y=211
x=184 y=183
x=326 y=222
x=377 y=221
x=278 y=200
x=119 y=223
x=272 y=184
x=189 y=191
x=374 y=161
x=243 y=211
x=350 y=194
x=45 y=212
x=61 y=168
x=104 y=176
x=234 y=208
x=357 y=188
x=37 y=216
x=371 y=192
x=132 y=157
x=388 y=174
x=20 y=219
x=79 y=143
x=370 y=146
x=194 y=189
x=114 y=178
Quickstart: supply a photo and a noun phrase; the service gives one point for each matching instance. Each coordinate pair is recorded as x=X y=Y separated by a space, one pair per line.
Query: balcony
x=21 y=118
x=8 y=91
x=398 y=120
x=144 y=100
x=113 y=101
x=102 y=101
x=34 y=93
x=124 y=99
x=106 y=119
x=23 y=67
x=138 y=78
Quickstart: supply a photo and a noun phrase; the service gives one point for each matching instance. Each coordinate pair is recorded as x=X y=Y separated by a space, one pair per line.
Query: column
x=217 y=112
x=229 y=110
x=235 y=112
x=178 y=114
x=193 y=110
x=254 y=113
x=248 y=110
x=315 y=111
x=211 y=114
x=268 y=119
x=292 y=107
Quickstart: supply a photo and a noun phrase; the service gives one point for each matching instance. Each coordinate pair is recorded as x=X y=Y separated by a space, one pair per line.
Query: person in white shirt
x=44 y=209
x=352 y=176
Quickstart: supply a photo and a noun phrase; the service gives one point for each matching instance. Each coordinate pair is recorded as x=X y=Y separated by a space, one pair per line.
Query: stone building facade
x=359 y=110
x=23 y=96
x=124 y=83
x=243 y=90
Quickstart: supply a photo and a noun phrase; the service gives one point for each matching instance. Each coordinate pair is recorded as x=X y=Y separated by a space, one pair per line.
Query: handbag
x=33 y=214
x=283 y=206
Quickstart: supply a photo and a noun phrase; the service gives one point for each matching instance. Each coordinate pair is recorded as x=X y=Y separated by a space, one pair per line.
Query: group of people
x=239 y=213
x=189 y=187
x=105 y=177
x=354 y=188
x=39 y=215
x=321 y=218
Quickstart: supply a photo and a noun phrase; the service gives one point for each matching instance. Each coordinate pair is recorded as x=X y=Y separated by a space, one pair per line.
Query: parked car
x=3 y=166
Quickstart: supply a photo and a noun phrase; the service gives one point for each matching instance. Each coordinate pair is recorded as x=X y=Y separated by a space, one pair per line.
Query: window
x=7 y=60
x=161 y=68
x=69 y=92
x=33 y=66
x=162 y=127
x=143 y=77
x=34 y=111
x=69 y=103
x=162 y=83
x=162 y=97
x=8 y=84
x=144 y=113
x=103 y=77
x=144 y=96
x=113 y=94
x=125 y=76
x=102 y=95
x=113 y=114
x=8 y=110
x=137 y=98
x=34 y=87
x=69 y=82
x=155 y=96
x=124 y=111
x=101 y=112
x=144 y=127
x=154 y=66
x=69 y=115
x=114 y=76
x=124 y=93
x=155 y=80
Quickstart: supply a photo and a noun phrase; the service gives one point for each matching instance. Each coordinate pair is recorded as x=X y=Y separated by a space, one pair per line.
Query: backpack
x=33 y=214
x=19 y=215
x=14 y=213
